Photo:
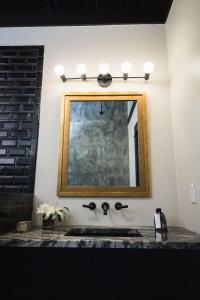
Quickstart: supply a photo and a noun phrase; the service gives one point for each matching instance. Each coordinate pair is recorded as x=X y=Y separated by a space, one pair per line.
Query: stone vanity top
x=176 y=238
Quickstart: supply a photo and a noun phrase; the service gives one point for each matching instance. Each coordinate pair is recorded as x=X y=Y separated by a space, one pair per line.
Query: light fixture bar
x=104 y=78
x=146 y=77
x=132 y=77
x=76 y=78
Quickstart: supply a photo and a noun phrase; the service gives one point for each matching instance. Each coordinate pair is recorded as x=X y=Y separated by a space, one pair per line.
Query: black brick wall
x=20 y=89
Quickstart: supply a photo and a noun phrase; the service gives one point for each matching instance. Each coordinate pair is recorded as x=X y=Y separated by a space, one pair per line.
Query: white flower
x=47 y=210
x=43 y=208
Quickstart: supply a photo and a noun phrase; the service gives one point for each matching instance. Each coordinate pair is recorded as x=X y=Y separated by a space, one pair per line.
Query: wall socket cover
x=193 y=193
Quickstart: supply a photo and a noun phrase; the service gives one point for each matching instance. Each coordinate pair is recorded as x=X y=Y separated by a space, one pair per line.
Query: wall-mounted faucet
x=91 y=206
x=105 y=206
x=119 y=206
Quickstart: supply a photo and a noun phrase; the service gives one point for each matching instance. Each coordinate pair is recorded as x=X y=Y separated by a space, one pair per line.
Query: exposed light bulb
x=104 y=68
x=81 y=69
x=148 y=67
x=59 y=70
x=126 y=67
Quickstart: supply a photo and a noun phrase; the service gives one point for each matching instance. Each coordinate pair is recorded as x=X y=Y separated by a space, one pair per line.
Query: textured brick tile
x=7 y=68
x=31 y=75
x=4 y=60
x=3 y=133
x=4 y=116
x=2 y=151
x=6 y=180
x=22 y=161
x=11 y=108
x=28 y=107
x=14 y=170
x=18 y=60
x=24 y=143
x=19 y=133
x=15 y=75
x=5 y=99
x=10 y=125
x=9 y=142
x=12 y=189
x=9 y=53
x=24 y=68
x=17 y=152
x=20 y=116
x=22 y=180
x=27 y=125
x=2 y=170
x=7 y=161
x=22 y=99
x=28 y=53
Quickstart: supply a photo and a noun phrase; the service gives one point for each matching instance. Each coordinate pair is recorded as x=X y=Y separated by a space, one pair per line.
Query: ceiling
x=82 y=12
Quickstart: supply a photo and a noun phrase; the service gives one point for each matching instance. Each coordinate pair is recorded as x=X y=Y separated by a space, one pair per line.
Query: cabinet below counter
x=40 y=264
x=176 y=238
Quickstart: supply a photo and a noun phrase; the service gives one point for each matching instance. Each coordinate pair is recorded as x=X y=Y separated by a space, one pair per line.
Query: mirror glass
x=103 y=144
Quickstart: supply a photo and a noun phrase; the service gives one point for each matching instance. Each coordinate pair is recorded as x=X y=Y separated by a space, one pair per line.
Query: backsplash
x=14 y=208
x=20 y=89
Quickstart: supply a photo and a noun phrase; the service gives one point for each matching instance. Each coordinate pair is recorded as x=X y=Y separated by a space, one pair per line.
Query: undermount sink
x=103 y=231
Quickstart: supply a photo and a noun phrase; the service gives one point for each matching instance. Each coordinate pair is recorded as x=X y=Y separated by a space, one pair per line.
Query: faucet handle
x=105 y=206
x=119 y=206
x=91 y=206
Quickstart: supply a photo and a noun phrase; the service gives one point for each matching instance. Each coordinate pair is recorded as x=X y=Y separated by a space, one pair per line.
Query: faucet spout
x=105 y=206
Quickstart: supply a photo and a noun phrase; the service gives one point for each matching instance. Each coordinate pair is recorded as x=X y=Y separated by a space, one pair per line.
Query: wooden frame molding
x=144 y=190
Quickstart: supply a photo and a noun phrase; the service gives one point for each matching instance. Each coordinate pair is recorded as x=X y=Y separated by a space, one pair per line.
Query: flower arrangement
x=51 y=212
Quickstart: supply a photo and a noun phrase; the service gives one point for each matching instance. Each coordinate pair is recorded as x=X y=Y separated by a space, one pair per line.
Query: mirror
x=103 y=149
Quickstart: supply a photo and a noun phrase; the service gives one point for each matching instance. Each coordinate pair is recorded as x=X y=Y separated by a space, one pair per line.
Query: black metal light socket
x=83 y=77
x=63 y=78
x=125 y=76
x=146 y=76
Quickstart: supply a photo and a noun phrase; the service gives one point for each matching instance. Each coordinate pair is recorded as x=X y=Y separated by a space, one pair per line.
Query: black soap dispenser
x=160 y=221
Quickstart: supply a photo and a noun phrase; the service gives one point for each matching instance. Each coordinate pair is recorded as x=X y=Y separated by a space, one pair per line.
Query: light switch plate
x=193 y=193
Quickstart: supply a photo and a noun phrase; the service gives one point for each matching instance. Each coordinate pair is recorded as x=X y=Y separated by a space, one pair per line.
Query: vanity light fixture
x=104 y=78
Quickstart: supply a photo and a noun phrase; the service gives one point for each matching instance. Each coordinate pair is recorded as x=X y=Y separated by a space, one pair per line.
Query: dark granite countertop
x=176 y=238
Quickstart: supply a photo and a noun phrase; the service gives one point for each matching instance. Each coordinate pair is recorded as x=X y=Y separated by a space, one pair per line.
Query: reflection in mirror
x=103 y=144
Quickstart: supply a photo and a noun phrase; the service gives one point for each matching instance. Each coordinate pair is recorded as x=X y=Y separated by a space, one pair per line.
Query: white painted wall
x=92 y=45
x=183 y=38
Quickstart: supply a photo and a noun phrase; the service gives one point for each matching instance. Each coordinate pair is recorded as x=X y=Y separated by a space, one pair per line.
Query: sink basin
x=103 y=231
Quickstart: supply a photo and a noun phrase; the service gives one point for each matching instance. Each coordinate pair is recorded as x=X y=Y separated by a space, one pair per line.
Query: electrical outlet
x=193 y=193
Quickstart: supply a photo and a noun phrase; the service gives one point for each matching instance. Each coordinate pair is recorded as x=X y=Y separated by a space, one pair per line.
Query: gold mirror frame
x=86 y=191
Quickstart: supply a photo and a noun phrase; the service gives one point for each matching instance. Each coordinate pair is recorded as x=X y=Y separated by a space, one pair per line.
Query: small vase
x=48 y=224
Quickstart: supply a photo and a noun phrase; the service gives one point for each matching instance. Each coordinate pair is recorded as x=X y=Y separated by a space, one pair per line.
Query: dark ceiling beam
x=88 y=12
x=100 y=18
x=55 y=6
